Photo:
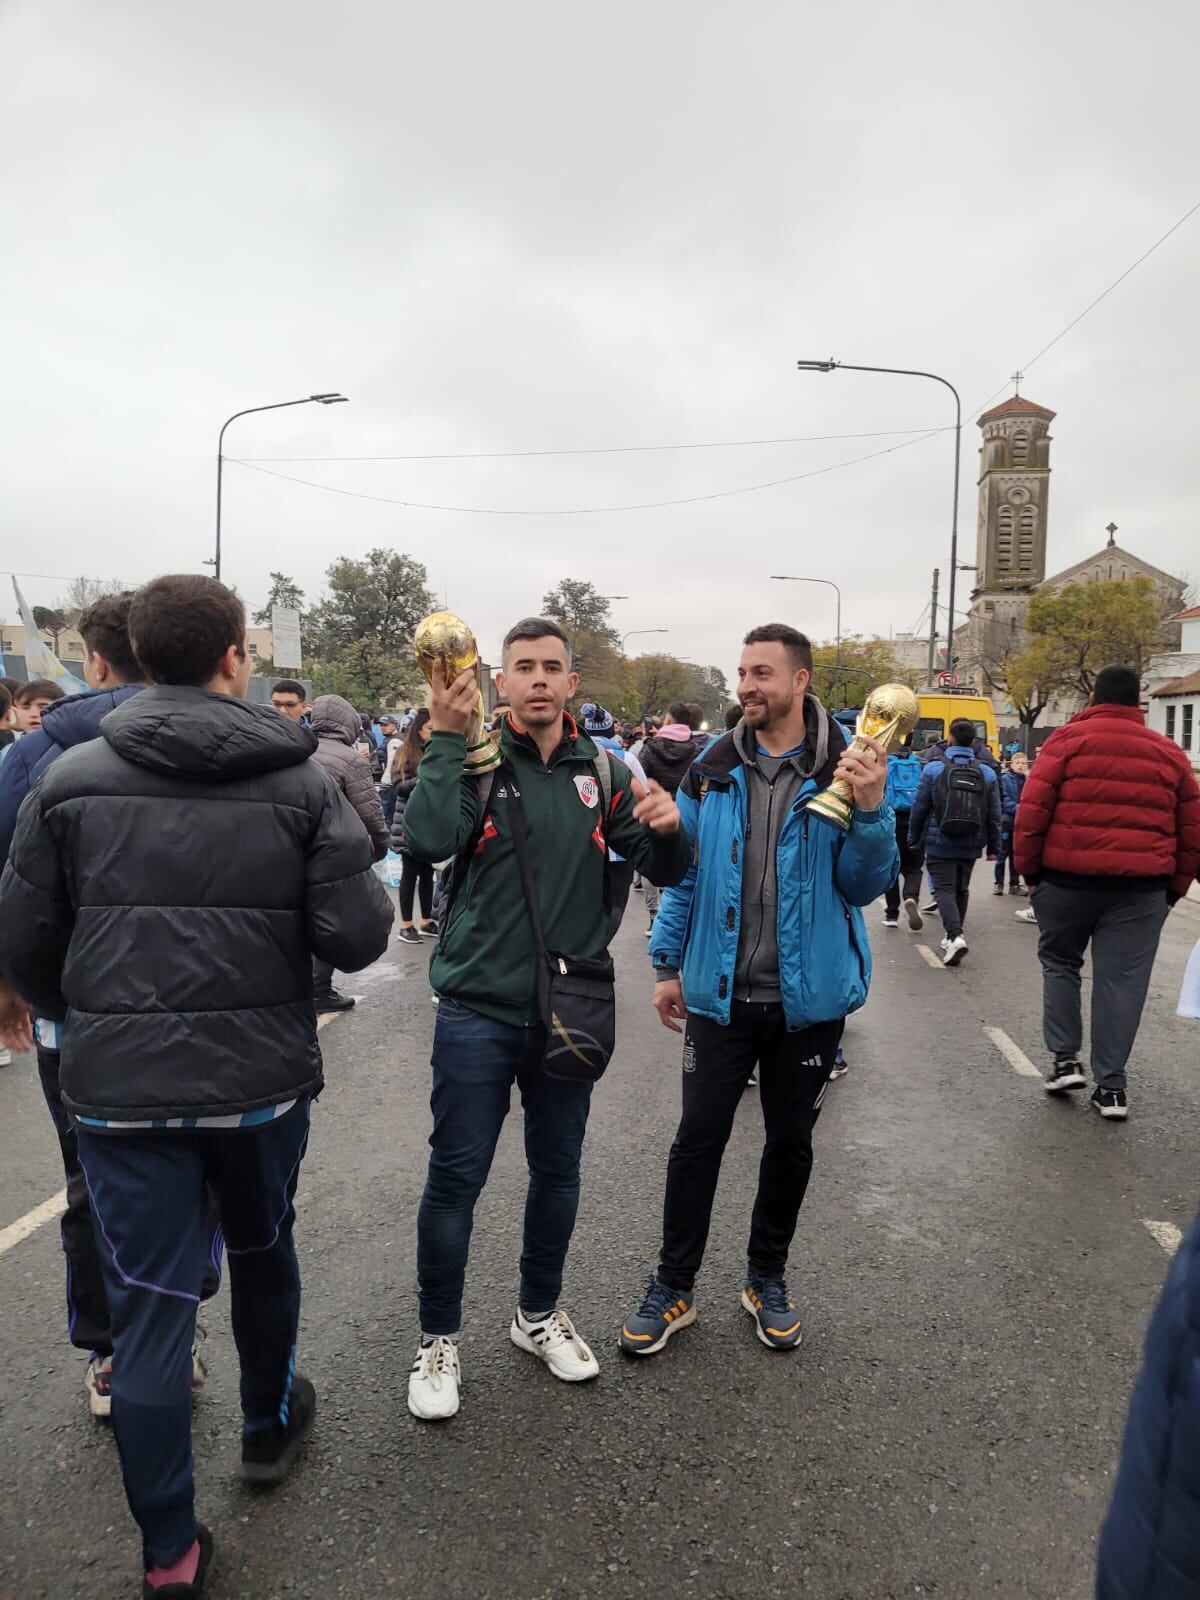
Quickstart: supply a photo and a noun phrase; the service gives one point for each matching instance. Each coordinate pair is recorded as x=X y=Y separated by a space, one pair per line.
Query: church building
x=1011 y=542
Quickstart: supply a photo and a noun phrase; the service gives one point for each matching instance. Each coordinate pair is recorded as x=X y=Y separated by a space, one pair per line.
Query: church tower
x=1014 y=484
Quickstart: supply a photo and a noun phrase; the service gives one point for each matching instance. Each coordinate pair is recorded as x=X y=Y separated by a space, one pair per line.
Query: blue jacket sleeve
x=869 y=859
x=666 y=946
x=16 y=778
x=919 y=815
x=994 y=817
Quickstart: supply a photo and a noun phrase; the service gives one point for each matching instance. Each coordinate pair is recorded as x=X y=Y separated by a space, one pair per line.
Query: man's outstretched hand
x=658 y=810
x=16 y=1026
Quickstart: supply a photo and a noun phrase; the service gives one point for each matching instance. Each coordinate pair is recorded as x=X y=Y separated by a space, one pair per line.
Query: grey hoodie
x=338 y=727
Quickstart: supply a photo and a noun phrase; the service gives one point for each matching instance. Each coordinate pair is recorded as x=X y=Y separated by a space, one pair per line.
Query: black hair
x=182 y=626
x=536 y=628
x=733 y=715
x=104 y=628
x=798 y=645
x=962 y=731
x=1117 y=686
x=289 y=686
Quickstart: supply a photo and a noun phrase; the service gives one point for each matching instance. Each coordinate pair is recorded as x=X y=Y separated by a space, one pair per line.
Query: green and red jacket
x=485 y=957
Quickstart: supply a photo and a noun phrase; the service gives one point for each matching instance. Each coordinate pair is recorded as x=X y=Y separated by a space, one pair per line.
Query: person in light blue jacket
x=761 y=951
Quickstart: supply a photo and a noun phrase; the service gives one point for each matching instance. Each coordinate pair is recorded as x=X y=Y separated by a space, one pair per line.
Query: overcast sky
x=542 y=226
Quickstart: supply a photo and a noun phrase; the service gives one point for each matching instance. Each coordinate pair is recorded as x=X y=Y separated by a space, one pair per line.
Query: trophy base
x=832 y=808
x=481 y=758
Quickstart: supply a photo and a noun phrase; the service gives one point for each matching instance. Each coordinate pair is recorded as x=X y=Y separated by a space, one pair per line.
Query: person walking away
x=903 y=778
x=1150 y=1540
x=1108 y=839
x=181 y=954
x=416 y=877
x=393 y=743
x=760 y=953
x=600 y=728
x=957 y=814
x=339 y=732
x=488 y=1032
x=665 y=757
x=1012 y=781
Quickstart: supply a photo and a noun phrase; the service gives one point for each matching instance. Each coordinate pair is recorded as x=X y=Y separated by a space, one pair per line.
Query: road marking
x=933 y=959
x=32 y=1221
x=1012 y=1053
x=1165 y=1233
x=49 y=1209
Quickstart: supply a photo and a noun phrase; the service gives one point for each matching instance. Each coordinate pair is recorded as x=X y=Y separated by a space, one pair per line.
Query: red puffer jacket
x=1110 y=798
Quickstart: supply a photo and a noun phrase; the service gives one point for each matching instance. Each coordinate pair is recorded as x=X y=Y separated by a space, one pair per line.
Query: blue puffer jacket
x=824 y=876
x=923 y=818
x=74 y=720
x=1150 y=1542
x=1011 y=784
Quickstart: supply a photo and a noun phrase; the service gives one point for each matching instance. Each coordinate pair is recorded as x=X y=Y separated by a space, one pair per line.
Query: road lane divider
x=1012 y=1053
x=54 y=1207
x=931 y=957
x=1164 y=1233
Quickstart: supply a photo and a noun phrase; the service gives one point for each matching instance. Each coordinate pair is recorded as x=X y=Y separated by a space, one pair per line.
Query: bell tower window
x=1020 y=448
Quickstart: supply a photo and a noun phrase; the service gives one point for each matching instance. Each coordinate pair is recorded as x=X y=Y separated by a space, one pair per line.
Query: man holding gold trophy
x=760 y=953
x=522 y=969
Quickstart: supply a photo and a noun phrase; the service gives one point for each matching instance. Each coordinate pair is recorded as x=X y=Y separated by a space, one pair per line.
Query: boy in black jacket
x=168 y=886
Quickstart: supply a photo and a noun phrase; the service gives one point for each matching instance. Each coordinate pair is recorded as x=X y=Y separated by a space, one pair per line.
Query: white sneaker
x=97 y=1380
x=5 y=1058
x=1028 y=915
x=913 y=912
x=199 y=1365
x=956 y=949
x=434 y=1380
x=555 y=1342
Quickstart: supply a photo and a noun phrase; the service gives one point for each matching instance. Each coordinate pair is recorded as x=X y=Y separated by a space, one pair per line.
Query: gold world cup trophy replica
x=889 y=715
x=446 y=638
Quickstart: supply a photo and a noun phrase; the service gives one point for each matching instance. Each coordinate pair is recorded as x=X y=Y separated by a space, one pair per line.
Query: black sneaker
x=1111 y=1104
x=268 y=1453
x=997 y=888
x=185 y=1591
x=333 y=1001
x=430 y=930
x=408 y=936
x=1064 y=1075
x=930 y=908
x=1015 y=888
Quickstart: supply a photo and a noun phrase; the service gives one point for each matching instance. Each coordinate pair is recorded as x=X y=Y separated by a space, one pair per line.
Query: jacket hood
x=206 y=737
x=673 y=752
x=678 y=731
x=335 y=718
x=77 y=718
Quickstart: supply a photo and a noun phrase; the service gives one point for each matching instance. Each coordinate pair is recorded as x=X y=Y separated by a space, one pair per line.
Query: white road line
x=32 y=1221
x=930 y=957
x=1012 y=1053
x=1165 y=1233
x=49 y=1209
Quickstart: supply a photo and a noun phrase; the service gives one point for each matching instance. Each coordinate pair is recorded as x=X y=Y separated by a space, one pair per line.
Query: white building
x=1174 y=688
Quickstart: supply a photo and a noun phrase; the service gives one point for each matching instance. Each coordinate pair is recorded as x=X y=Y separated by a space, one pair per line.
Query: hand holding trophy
x=443 y=637
x=889 y=716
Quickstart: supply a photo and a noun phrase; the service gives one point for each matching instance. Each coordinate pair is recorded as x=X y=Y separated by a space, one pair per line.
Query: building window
x=1004 y=539
x=1170 y=722
x=1020 y=448
x=253 y=649
x=6 y=645
x=1186 y=740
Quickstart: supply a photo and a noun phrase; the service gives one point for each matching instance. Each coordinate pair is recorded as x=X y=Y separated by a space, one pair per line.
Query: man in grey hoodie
x=338 y=727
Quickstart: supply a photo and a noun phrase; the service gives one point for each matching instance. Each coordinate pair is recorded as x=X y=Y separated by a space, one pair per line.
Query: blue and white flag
x=40 y=660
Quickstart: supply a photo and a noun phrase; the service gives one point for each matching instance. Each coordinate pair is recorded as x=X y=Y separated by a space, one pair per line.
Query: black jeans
x=952 y=890
x=88 y=1325
x=416 y=882
x=1006 y=855
x=912 y=859
x=717 y=1061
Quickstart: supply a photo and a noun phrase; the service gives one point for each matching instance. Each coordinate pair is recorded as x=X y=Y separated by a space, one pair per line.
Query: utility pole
x=933 y=600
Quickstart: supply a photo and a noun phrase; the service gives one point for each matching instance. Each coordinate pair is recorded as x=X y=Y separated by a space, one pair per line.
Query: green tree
x=367 y=675
x=865 y=664
x=580 y=609
x=47 y=620
x=284 y=591
x=658 y=680
x=1075 y=631
x=604 y=674
x=360 y=634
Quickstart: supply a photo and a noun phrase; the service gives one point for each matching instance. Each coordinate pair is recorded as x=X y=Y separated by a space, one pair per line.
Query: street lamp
x=909 y=372
x=279 y=405
x=634 y=631
x=784 y=577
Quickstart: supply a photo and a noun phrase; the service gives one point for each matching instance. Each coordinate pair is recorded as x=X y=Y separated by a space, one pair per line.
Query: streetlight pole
x=634 y=631
x=786 y=577
x=909 y=372
x=279 y=405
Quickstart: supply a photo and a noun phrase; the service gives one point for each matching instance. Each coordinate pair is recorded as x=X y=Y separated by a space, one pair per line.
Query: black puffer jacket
x=667 y=760
x=404 y=788
x=168 y=886
x=338 y=726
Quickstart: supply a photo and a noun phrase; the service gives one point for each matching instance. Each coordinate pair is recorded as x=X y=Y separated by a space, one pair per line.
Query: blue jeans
x=475 y=1062
x=148 y=1194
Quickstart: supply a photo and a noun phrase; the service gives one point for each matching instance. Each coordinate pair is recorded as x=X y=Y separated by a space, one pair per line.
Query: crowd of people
x=187 y=871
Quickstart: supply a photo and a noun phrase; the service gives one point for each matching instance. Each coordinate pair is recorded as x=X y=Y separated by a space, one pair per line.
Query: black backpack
x=962 y=800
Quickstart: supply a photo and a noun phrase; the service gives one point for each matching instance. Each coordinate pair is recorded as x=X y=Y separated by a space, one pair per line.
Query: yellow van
x=940 y=707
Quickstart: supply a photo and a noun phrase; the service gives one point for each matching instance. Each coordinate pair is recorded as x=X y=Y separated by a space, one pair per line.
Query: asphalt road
x=973 y=1263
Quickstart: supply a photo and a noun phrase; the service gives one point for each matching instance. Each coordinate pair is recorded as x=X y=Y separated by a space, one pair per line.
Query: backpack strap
x=603 y=765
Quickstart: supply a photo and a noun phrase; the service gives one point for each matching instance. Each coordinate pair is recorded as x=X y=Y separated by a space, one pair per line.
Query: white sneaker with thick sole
x=434 y=1380
x=553 y=1340
x=1028 y=915
x=956 y=949
x=97 y=1380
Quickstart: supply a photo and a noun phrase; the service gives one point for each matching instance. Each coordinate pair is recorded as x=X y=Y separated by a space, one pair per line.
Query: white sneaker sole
x=913 y=912
x=439 y=1415
x=952 y=958
x=1110 y=1113
x=578 y=1372
x=684 y=1320
x=778 y=1349
x=1074 y=1080
x=100 y=1405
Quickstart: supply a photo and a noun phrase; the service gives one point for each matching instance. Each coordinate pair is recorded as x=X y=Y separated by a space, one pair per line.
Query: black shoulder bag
x=575 y=995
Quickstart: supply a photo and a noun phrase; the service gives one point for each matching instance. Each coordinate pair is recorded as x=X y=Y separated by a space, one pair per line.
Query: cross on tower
x=1016 y=378
x=1111 y=531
